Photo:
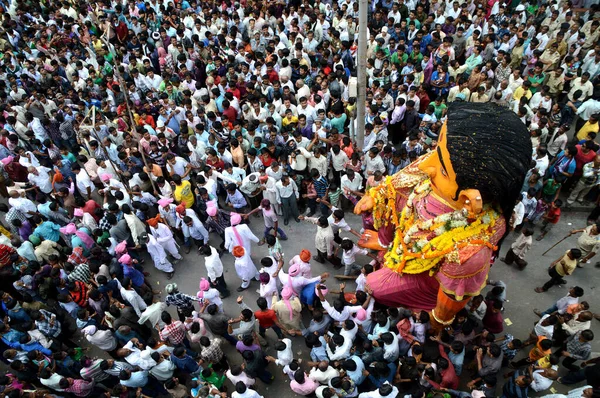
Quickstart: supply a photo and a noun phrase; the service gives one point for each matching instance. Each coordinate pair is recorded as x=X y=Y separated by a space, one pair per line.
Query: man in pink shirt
x=303 y=385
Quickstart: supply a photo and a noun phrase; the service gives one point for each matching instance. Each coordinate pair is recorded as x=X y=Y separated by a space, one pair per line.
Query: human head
x=467 y=167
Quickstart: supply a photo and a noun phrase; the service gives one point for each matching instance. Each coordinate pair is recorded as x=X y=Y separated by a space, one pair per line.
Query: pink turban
x=361 y=315
x=294 y=269
x=70 y=229
x=286 y=294
x=121 y=248
x=323 y=290
x=165 y=202
x=78 y=213
x=235 y=219
x=204 y=285
x=105 y=177
x=211 y=211
x=125 y=259
x=7 y=161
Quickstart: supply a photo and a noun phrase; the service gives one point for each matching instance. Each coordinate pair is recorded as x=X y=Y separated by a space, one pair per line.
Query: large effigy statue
x=438 y=222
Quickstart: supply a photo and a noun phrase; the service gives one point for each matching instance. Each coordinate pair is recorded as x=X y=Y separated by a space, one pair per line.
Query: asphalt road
x=518 y=315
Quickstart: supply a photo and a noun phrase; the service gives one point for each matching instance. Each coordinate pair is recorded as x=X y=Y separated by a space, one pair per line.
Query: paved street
x=522 y=298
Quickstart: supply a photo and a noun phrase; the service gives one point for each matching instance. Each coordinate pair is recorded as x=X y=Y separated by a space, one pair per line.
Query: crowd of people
x=134 y=132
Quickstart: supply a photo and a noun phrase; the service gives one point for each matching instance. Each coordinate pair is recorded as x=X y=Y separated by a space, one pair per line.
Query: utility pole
x=361 y=74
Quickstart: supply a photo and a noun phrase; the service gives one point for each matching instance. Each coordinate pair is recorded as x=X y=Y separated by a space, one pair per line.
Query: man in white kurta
x=167 y=211
x=159 y=256
x=244 y=266
x=165 y=238
x=239 y=235
x=271 y=192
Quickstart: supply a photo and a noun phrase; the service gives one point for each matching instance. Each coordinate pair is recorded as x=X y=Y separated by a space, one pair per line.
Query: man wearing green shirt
x=339 y=120
x=538 y=77
x=439 y=108
x=474 y=59
x=399 y=57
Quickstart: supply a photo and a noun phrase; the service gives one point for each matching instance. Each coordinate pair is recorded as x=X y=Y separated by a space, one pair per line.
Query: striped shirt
x=321 y=186
x=117 y=367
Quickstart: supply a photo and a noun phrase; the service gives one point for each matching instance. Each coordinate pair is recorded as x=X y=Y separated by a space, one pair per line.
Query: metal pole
x=361 y=74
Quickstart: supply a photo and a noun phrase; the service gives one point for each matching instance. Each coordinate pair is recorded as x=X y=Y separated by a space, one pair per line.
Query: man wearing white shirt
x=285 y=355
x=351 y=185
x=236 y=374
x=385 y=391
x=342 y=348
x=153 y=80
x=178 y=166
x=323 y=373
x=373 y=162
x=545 y=326
x=581 y=392
x=584 y=84
x=338 y=312
x=453 y=12
x=542 y=379
x=41 y=178
x=391 y=348
x=131 y=296
x=543 y=38
x=83 y=182
x=24 y=205
x=234 y=174
x=304 y=108
x=241 y=391
x=541 y=159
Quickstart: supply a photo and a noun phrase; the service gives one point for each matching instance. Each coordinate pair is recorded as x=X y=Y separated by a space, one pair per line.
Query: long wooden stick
x=553 y=246
x=123 y=87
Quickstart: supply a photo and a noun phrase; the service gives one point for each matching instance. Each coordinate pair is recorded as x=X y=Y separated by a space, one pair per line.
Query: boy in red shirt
x=551 y=218
x=267 y=318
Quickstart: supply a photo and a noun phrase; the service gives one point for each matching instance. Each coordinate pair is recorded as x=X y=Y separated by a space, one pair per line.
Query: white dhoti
x=245 y=269
x=158 y=254
x=267 y=291
x=165 y=238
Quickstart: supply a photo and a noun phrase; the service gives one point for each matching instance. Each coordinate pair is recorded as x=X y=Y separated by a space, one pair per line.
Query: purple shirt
x=241 y=347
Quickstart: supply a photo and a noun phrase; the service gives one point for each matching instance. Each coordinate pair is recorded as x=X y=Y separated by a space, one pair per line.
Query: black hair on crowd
x=490 y=150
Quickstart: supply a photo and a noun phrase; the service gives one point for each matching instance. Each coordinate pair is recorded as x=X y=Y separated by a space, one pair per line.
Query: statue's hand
x=370 y=240
x=365 y=204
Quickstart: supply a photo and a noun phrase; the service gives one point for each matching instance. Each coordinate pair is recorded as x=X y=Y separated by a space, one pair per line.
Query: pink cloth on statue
x=418 y=292
x=474 y=263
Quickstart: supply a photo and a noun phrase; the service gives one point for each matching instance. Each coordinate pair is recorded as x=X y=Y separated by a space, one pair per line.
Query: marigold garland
x=420 y=245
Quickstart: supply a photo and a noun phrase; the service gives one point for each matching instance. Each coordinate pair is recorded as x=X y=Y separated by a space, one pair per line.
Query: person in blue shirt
x=10 y=337
x=185 y=363
x=28 y=345
x=382 y=373
x=354 y=368
x=48 y=230
x=131 y=379
x=64 y=167
x=564 y=164
x=127 y=263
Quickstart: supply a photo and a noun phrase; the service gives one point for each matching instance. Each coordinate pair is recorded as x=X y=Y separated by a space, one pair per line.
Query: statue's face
x=440 y=171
